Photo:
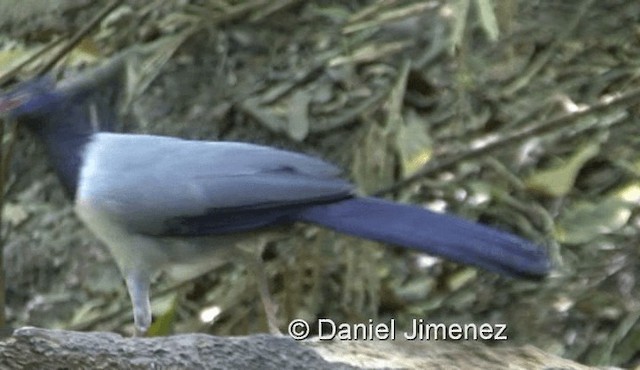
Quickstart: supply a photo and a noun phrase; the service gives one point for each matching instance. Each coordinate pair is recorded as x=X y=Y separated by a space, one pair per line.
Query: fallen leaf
x=557 y=181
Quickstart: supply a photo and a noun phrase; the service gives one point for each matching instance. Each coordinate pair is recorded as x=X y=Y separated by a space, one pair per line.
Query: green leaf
x=413 y=144
x=488 y=19
x=557 y=181
x=586 y=220
x=298 y=120
x=373 y=162
x=163 y=324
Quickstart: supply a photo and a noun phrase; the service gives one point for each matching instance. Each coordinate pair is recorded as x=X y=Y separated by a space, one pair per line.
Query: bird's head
x=28 y=97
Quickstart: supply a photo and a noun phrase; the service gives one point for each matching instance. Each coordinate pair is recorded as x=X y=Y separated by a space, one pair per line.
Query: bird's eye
x=10 y=103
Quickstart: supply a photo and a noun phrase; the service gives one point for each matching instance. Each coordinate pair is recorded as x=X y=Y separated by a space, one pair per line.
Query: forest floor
x=387 y=90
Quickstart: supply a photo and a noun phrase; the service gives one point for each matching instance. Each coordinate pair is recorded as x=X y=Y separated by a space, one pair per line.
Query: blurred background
x=383 y=89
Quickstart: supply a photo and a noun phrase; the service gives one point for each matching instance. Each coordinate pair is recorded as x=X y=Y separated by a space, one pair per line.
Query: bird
x=160 y=202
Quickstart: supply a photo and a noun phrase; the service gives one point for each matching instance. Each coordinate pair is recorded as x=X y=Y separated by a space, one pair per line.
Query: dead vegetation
x=498 y=110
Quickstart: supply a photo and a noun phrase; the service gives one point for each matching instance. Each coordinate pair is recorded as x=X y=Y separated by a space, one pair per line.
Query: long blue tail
x=433 y=233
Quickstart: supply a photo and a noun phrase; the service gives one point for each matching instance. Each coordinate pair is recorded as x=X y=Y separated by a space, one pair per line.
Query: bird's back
x=156 y=183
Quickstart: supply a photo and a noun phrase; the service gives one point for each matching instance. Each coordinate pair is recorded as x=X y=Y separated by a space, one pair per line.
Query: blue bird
x=160 y=202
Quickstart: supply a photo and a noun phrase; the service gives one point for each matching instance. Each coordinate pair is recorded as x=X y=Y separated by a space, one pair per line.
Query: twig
x=543 y=58
x=13 y=71
x=78 y=36
x=562 y=122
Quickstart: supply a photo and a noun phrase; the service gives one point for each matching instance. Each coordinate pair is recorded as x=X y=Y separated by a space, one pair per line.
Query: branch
x=55 y=349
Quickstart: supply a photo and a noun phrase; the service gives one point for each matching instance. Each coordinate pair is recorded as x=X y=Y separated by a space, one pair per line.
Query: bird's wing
x=161 y=185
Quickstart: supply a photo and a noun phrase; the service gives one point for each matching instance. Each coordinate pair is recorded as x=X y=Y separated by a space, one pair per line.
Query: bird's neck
x=65 y=139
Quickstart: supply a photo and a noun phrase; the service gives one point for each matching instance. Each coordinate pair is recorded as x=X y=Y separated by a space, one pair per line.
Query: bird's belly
x=130 y=251
x=182 y=257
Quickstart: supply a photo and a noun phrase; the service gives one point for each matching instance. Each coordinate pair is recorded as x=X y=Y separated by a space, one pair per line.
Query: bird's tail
x=433 y=233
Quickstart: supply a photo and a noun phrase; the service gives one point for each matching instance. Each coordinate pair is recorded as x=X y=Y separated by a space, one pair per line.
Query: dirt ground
x=382 y=89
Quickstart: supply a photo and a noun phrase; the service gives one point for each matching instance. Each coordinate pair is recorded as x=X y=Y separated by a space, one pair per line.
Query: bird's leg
x=138 y=284
x=253 y=253
x=270 y=308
